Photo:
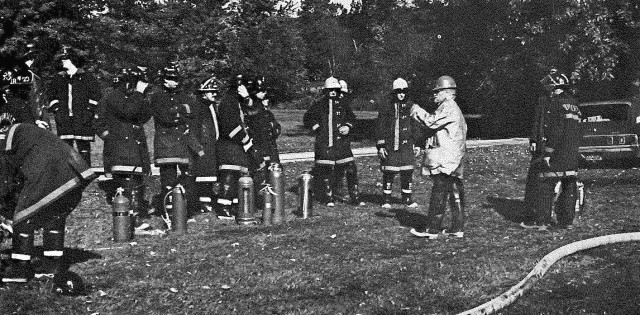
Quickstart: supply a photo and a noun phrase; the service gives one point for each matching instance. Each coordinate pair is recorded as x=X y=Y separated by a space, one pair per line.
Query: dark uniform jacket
x=16 y=109
x=264 y=130
x=206 y=128
x=398 y=132
x=235 y=144
x=47 y=167
x=173 y=143
x=72 y=100
x=557 y=135
x=324 y=118
x=121 y=116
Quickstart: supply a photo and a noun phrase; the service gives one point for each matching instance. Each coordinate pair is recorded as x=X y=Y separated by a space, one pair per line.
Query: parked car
x=610 y=134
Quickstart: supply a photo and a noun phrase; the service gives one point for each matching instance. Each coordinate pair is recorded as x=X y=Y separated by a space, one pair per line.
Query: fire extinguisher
x=179 y=209
x=246 y=200
x=305 y=201
x=122 y=217
x=276 y=179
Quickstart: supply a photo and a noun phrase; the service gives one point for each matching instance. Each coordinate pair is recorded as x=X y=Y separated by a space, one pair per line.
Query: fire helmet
x=400 y=84
x=68 y=283
x=210 y=85
x=555 y=79
x=331 y=83
x=444 y=82
x=344 y=88
x=170 y=73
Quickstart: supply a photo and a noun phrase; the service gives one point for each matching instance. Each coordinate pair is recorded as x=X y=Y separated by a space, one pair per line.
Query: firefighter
x=397 y=137
x=264 y=131
x=14 y=103
x=555 y=139
x=444 y=160
x=51 y=177
x=206 y=128
x=120 y=118
x=73 y=96
x=175 y=146
x=235 y=149
x=332 y=122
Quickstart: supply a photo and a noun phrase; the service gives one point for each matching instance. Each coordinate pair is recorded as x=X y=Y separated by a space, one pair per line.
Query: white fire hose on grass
x=506 y=298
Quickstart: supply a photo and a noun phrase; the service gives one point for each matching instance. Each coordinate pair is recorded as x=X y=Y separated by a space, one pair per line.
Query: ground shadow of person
x=513 y=210
x=404 y=217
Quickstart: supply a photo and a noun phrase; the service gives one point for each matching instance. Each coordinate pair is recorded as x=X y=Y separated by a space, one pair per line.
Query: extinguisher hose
x=166 y=217
x=508 y=297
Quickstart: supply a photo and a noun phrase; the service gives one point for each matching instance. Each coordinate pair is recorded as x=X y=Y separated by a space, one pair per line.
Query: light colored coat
x=446 y=149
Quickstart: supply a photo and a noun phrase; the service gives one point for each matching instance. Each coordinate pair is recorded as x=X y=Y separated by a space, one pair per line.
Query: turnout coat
x=235 y=144
x=397 y=132
x=324 y=118
x=264 y=130
x=446 y=149
x=120 y=120
x=557 y=134
x=73 y=100
x=173 y=143
x=206 y=128
x=47 y=167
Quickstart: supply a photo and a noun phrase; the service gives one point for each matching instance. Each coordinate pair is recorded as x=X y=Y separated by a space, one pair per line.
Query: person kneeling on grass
x=42 y=182
x=444 y=160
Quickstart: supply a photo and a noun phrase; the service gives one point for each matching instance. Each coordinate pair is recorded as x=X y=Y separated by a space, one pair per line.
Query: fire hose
x=508 y=297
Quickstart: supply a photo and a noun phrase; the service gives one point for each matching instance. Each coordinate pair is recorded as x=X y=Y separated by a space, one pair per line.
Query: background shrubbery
x=496 y=50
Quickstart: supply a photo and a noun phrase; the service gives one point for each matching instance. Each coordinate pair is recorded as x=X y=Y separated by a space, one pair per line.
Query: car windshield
x=605 y=112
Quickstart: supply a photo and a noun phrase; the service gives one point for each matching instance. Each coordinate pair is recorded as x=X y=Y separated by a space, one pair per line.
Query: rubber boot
x=438 y=202
x=387 y=184
x=406 y=178
x=456 y=202
x=225 y=199
x=53 y=249
x=19 y=269
x=352 y=184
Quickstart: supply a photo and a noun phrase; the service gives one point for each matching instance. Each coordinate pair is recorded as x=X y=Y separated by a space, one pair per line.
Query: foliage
x=496 y=50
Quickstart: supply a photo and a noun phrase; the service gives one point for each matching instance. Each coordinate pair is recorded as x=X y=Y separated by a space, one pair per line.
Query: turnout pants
x=446 y=189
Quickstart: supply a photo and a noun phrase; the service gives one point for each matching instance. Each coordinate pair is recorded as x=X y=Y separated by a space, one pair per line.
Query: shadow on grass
x=404 y=217
x=513 y=210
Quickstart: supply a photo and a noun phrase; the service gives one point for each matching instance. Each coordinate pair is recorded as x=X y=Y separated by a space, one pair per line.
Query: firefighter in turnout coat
x=556 y=137
x=14 y=100
x=332 y=122
x=206 y=128
x=398 y=135
x=264 y=131
x=47 y=176
x=235 y=149
x=175 y=146
x=120 y=120
x=73 y=96
x=444 y=160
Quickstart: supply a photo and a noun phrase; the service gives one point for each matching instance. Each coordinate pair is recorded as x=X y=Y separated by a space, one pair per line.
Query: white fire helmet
x=400 y=84
x=331 y=83
x=343 y=86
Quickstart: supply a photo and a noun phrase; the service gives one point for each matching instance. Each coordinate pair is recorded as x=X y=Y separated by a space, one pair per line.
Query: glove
x=344 y=130
x=532 y=147
x=242 y=91
x=42 y=124
x=382 y=153
x=141 y=86
x=416 y=151
x=547 y=161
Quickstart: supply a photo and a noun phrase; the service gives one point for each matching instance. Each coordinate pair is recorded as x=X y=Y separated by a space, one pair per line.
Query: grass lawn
x=356 y=260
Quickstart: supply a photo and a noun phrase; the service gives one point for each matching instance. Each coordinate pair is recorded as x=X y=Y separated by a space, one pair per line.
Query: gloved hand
x=42 y=124
x=532 y=147
x=382 y=153
x=242 y=91
x=547 y=160
x=344 y=130
x=416 y=151
x=141 y=86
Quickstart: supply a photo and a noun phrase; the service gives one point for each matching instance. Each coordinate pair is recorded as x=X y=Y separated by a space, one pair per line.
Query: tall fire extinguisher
x=246 y=200
x=122 y=217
